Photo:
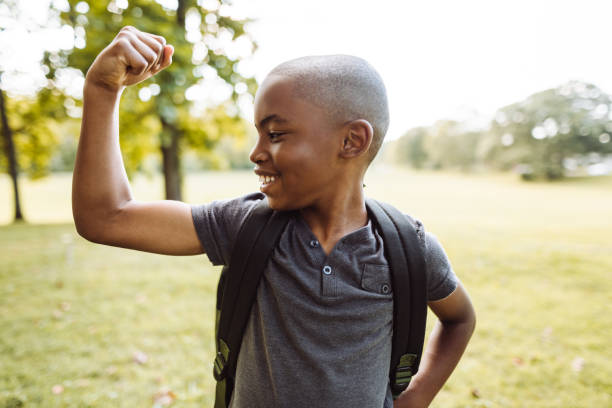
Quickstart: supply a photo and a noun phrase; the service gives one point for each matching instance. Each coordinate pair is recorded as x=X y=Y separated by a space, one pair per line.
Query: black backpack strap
x=405 y=256
x=237 y=290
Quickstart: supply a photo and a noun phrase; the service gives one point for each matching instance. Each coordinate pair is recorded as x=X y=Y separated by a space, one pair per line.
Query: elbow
x=87 y=230
x=472 y=324
x=92 y=226
x=469 y=319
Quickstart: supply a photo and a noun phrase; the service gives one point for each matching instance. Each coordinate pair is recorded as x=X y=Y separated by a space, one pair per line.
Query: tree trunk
x=11 y=156
x=170 y=145
x=171 y=162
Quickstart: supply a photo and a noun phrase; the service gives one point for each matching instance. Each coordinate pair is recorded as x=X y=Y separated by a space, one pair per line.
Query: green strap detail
x=217 y=318
x=406 y=361
x=220 y=394
x=224 y=349
x=403 y=374
x=221 y=358
x=404 y=371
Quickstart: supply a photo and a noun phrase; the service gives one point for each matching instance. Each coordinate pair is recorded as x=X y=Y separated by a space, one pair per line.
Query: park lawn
x=107 y=327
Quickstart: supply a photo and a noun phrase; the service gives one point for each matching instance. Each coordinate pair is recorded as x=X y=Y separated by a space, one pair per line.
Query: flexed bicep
x=162 y=227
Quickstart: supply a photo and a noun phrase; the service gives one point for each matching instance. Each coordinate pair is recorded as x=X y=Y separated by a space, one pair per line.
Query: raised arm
x=445 y=347
x=103 y=207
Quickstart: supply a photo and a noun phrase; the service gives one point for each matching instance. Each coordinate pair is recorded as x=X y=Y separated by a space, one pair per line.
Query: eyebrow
x=271 y=118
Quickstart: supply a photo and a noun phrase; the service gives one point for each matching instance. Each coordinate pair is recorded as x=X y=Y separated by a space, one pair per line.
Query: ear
x=357 y=138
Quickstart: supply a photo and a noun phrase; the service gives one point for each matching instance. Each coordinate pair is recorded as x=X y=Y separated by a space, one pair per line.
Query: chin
x=276 y=205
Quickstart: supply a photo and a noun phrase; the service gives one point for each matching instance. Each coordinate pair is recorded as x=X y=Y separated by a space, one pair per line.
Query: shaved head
x=346 y=87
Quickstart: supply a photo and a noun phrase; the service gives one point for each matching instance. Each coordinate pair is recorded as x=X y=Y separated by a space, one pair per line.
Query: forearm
x=100 y=185
x=445 y=347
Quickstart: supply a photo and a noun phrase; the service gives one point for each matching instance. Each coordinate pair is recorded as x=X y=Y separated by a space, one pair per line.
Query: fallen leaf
x=475 y=393
x=64 y=306
x=517 y=361
x=57 y=389
x=140 y=357
x=164 y=397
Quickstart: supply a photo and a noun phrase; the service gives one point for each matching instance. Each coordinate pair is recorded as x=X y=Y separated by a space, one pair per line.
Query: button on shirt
x=319 y=333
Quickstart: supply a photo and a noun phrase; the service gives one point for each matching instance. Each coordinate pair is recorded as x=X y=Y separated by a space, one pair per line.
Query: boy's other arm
x=103 y=208
x=445 y=346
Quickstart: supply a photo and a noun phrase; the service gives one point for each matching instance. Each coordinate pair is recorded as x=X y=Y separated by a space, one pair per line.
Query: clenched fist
x=130 y=58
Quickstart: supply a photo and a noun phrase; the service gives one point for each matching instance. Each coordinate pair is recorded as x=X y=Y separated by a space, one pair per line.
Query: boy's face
x=296 y=154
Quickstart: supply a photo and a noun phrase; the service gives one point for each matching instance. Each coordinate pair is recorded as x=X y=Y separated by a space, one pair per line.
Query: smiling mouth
x=267 y=180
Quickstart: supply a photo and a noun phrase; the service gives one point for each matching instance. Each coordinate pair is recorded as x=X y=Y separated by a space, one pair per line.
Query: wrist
x=410 y=400
x=95 y=89
x=415 y=396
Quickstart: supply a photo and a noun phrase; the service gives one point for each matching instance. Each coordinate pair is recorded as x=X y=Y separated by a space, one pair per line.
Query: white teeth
x=267 y=179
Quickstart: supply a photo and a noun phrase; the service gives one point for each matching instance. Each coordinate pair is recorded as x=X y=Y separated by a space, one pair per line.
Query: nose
x=258 y=152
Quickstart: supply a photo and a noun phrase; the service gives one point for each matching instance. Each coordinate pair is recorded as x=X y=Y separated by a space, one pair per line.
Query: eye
x=274 y=136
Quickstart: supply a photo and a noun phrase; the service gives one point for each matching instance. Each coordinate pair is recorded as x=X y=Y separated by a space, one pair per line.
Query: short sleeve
x=217 y=224
x=441 y=279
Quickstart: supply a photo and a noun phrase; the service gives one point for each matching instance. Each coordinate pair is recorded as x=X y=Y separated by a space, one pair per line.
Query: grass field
x=91 y=326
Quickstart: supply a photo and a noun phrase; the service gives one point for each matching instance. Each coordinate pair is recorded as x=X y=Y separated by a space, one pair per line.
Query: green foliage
x=447 y=144
x=147 y=124
x=217 y=129
x=411 y=147
x=536 y=136
x=549 y=127
x=33 y=119
x=35 y=125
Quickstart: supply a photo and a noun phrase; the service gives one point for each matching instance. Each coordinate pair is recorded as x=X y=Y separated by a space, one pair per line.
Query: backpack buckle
x=221 y=359
x=404 y=373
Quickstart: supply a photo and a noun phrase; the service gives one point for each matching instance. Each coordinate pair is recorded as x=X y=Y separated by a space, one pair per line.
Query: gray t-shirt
x=319 y=333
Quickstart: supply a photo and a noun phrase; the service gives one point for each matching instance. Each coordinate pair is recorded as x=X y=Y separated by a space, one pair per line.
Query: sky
x=444 y=59
x=440 y=59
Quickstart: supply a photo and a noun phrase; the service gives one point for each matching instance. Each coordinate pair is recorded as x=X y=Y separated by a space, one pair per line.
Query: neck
x=331 y=218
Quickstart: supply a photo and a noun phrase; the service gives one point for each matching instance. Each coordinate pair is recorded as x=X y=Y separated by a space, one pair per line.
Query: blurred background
x=500 y=141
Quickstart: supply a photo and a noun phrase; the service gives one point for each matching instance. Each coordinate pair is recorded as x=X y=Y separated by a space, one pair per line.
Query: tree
x=163 y=105
x=542 y=132
x=28 y=114
x=447 y=144
x=11 y=156
x=451 y=145
x=411 y=148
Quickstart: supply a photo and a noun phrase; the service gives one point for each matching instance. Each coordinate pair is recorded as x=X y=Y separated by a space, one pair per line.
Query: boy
x=319 y=333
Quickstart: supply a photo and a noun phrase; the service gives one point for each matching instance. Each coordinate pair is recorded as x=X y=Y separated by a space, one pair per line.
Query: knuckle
x=151 y=58
x=125 y=36
x=160 y=39
x=122 y=43
x=158 y=46
x=140 y=65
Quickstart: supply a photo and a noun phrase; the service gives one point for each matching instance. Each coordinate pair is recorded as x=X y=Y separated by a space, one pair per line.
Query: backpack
x=239 y=280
